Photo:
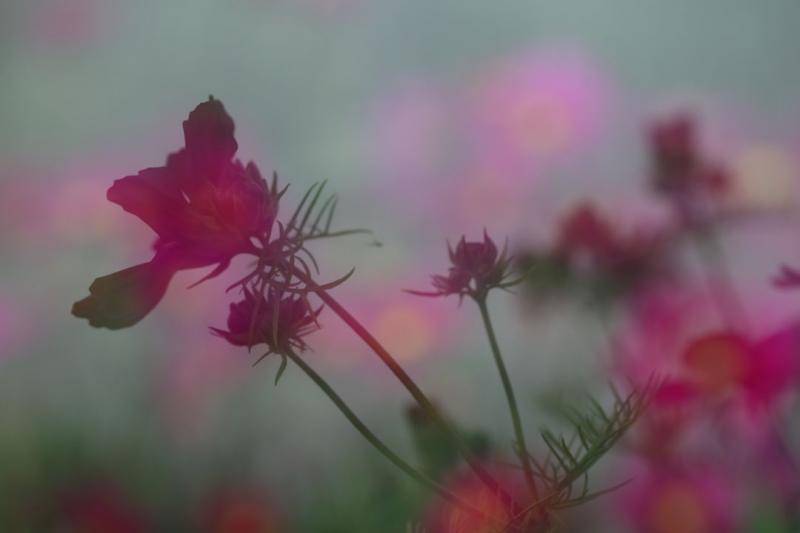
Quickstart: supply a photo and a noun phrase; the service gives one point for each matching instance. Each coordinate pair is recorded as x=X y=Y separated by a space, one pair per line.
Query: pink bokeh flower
x=708 y=368
x=532 y=107
x=99 y=508
x=670 y=498
x=240 y=510
x=445 y=517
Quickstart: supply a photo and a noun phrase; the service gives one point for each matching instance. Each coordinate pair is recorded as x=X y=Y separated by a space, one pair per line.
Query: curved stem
x=522 y=448
x=409 y=384
x=375 y=441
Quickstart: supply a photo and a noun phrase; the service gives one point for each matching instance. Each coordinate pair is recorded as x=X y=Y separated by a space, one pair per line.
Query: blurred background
x=430 y=120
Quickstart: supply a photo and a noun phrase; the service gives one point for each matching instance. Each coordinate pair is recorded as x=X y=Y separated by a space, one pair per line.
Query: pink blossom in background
x=413 y=329
x=194 y=374
x=411 y=140
x=69 y=202
x=240 y=510
x=519 y=117
x=707 y=369
x=59 y=25
x=529 y=108
x=99 y=507
x=678 y=498
x=656 y=328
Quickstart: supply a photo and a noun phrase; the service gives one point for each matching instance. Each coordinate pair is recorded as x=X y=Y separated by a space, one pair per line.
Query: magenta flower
x=671 y=498
x=205 y=208
x=278 y=321
x=477 y=266
x=752 y=374
x=680 y=170
x=592 y=249
x=585 y=232
x=99 y=507
x=674 y=151
x=678 y=335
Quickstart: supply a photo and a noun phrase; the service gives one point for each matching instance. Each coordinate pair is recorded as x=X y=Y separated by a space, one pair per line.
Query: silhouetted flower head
x=592 y=249
x=674 y=151
x=680 y=170
x=455 y=282
x=205 y=208
x=477 y=266
x=278 y=321
x=478 y=259
x=584 y=231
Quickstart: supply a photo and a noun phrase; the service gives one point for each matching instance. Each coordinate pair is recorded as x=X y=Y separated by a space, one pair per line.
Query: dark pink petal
x=775 y=368
x=788 y=278
x=153 y=196
x=122 y=299
x=209 y=138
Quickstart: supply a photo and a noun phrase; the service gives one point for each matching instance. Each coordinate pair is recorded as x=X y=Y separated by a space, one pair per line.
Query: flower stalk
x=408 y=383
x=521 y=447
x=373 y=439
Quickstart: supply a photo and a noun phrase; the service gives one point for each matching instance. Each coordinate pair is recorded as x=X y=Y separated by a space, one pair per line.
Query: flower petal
x=153 y=196
x=122 y=299
x=208 y=133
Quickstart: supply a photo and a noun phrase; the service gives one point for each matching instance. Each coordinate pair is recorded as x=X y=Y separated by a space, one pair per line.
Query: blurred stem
x=719 y=280
x=410 y=385
x=375 y=441
x=521 y=448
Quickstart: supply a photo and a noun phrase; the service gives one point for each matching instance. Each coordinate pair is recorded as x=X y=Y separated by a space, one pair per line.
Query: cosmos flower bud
x=477 y=266
x=476 y=258
x=674 y=152
x=278 y=321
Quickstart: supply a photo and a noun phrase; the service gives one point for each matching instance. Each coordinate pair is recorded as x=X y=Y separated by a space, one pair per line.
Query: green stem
x=522 y=448
x=719 y=280
x=409 y=384
x=375 y=441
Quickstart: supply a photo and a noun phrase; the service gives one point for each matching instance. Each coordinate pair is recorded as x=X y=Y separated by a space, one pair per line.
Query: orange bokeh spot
x=406 y=330
x=678 y=509
x=718 y=361
x=245 y=517
x=541 y=125
x=457 y=520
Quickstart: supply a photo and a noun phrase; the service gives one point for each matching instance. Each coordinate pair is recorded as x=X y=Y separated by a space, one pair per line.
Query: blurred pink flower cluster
x=477 y=149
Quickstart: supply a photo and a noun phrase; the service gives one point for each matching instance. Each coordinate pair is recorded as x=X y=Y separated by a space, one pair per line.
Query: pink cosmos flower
x=589 y=244
x=676 y=334
x=445 y=517
x=669 y=498
x=204 y=207
x=680 y=171
x=533 y=107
